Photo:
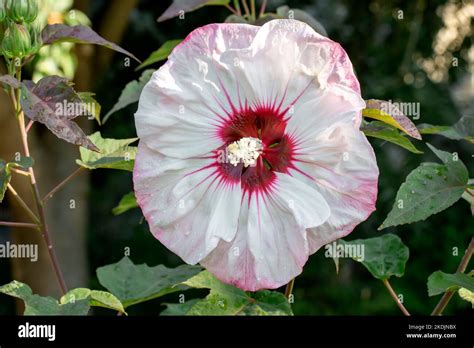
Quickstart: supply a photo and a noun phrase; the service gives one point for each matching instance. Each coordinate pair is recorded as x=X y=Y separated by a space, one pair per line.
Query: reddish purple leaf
x=54 y=103
x=78 y=34
x=10 y=81
x=182 y=6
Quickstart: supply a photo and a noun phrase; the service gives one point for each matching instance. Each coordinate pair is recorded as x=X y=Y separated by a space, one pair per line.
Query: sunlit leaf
x=38 y=305
x=389 y=113
x=96 y=298
x=226 y=299
x=113 y=154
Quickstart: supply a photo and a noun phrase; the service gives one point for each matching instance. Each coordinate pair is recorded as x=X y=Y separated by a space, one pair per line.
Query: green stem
x=395 y=297
x=289 y=288
x=18 y=224
x=231 y=9
x=253 y=10
x=237 y=7
x=443 y=302
x=43 y=226
x=262 y=8
x=62 y=183
x=23 y=204
x=246 y=8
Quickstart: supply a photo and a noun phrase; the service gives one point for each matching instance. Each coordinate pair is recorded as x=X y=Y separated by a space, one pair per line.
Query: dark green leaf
x=37 y=305
x=114 y=154
x=160 y=54
x=130 y=94
x=127 y=202
x=5 y=177
x=78 y=34
x=134 y=284
x=235 y=19
x=179 y=308
x=383 y=256
x=462 y=130
x=182 y=6
x=427 y=190
x=5 y=172
x=228 y=300
x=388 y=133
x=439 y=282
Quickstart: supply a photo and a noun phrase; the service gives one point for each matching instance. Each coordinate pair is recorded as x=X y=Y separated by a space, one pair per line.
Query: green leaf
x=114 y=154
x=388 y=133
x=130 y=94
x=127 y=202
x=78 y=34
x=37 y=305
x=235 y=19
x=5 y=172
x=160 y=54
x=389 y=113
x=440 y=282
x=428 y=189
x=462 y=130
x=96 y=298
x=182 y=6
x=384 y=256
x=5 y=178
x=92 y=104
x=228 y=300
x=179 y=308
x=134 y=284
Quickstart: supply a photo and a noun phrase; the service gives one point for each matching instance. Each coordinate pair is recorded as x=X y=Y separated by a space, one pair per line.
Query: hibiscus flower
x=250 y=156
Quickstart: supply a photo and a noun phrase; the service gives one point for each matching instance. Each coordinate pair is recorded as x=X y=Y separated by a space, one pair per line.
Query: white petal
x=270 y=246
x=341 y=165
x=186 y=99
x=186 y=206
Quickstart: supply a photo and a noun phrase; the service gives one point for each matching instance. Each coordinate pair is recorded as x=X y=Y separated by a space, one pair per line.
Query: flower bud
x=22 y=11
x=3 y=11
x=35 y=37
x=16 y=41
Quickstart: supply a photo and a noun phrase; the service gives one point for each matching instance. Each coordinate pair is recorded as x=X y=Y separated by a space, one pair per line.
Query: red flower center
x=268 y=124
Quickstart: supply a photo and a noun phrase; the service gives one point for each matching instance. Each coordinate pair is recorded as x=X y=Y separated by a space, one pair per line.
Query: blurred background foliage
x=410 y=51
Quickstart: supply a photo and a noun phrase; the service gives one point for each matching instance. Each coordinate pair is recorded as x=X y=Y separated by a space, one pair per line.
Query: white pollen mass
x=246 y=151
